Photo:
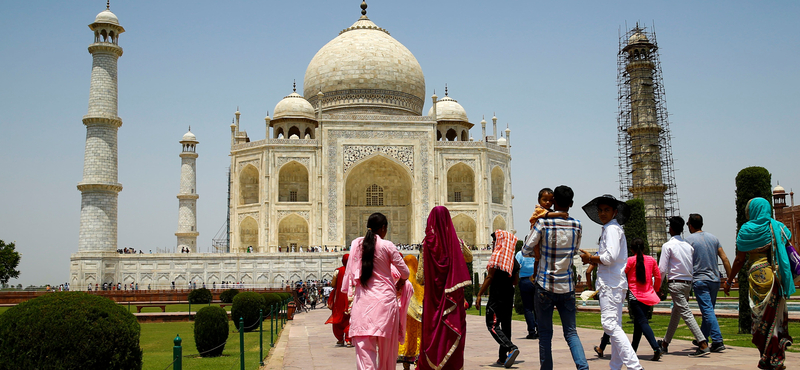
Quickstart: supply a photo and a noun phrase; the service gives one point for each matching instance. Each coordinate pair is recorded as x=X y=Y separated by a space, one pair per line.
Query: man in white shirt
x=612 y=283
x=676 y=264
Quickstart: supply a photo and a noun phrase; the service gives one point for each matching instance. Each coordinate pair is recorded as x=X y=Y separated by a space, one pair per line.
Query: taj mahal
x=358 y=140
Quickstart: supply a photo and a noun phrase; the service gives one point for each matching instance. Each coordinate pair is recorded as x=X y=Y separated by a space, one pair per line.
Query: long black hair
x=375 y=222
x=637 y=246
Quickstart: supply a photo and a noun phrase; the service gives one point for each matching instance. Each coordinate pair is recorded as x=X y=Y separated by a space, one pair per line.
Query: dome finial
x=294 y=85
x=190 y=128
x=108 y=5
x=364 y=8
x=445 y=89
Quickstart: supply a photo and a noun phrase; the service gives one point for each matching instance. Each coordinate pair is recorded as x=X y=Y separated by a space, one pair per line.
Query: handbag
x=791 y=252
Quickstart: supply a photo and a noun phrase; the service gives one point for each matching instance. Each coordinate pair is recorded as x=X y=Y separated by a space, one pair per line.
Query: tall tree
x=636 y=227
x=751 y=182
x=9 y=259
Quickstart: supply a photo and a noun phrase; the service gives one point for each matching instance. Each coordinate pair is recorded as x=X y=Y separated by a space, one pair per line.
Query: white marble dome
x=189 y=136
x=364 y=68
x=778 y=190
x=502 y=141
x=106 y=16
x=294 y=106
x=448 y=109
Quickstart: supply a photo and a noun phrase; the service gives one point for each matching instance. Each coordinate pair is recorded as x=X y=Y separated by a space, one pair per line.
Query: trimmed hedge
x=246 y=305
x=227 y=296
x=201 y=295
x=210 y=331
x=270 y=300
x=69 y=330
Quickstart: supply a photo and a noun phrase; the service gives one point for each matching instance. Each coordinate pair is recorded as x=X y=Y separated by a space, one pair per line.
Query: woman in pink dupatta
x=444 y=325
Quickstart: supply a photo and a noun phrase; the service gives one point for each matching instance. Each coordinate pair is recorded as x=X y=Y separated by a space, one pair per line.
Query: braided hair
x=637 y=246
x=375 y=222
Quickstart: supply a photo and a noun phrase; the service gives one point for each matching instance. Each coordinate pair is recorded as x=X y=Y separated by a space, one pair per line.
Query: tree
x=636 y=226
x=9 y=260
x=751 y=182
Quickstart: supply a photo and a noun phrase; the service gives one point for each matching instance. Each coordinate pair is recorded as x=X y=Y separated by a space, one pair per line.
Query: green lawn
x=659 y=323
x=175 y=307
x=156 y=341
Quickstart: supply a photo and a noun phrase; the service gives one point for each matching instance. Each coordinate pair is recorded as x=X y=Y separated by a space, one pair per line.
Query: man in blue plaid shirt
x=554 y=242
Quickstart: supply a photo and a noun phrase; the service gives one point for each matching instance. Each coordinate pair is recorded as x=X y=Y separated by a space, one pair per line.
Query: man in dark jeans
x=501 y=277
x=554 y=242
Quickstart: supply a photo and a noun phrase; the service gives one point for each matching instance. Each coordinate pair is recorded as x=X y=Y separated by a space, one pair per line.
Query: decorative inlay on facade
x=461 y=144
x=292 y=142
x=348 y=118
x=499 y=213
x=472 y=214
x=452 y=162
x=334 y=135
x=305 y=161
x=254 y=162
x=254 y=215
x=282 y=214
x=402 y=153
x=493 y=164
x=394 y=99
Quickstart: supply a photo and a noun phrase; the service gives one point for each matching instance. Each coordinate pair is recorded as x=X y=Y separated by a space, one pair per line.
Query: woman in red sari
x=444 y=325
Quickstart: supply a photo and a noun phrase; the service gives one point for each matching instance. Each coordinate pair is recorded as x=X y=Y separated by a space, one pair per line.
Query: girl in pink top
x=641 y=271
x=375 y=314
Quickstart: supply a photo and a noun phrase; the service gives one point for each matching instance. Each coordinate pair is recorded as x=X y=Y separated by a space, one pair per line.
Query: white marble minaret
x=99 y=187
x=187 y=198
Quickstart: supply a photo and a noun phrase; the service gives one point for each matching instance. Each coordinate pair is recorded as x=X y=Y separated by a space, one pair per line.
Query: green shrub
x=201 y=295
x=246 y=305
x=69 y=330
x=210 y=331
x=270 y=300
x=227 y=296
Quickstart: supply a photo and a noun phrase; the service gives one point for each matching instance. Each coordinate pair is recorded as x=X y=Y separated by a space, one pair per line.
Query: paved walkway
x=308 y=344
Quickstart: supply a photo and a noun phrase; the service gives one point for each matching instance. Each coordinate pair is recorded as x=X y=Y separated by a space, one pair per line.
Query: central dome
x=365 y=70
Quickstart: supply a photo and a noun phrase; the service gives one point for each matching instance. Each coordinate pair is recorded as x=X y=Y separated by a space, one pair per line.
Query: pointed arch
x=294 y=131
x=464 y=135
x=499 y=223
x=293 y=232
x=248 y=185
x=248 y=234
x=451 y=135
x=293 y=183
x=465 y=228
x=498 y=185
x=460 y=183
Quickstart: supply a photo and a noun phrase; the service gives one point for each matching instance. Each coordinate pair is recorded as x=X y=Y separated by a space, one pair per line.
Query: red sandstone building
x=788 y=214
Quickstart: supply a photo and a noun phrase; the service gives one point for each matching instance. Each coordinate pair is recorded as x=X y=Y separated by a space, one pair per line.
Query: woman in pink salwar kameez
x=375 y=314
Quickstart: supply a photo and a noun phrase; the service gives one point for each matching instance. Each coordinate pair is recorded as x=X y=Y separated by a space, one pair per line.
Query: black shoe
x=664 y=346
x=717 y=347
x=701 y=352
x=533 y=336
x=694 y=343
x=657 y=355
x=598 y=351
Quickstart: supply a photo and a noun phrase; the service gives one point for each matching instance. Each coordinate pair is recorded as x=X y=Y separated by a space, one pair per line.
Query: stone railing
x=293 y=142
x=470 y=144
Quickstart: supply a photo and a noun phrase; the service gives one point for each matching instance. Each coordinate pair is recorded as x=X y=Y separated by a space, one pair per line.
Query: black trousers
x=498 y=321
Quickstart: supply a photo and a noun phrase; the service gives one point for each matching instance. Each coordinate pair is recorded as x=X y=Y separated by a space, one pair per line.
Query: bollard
x=190 y=310
x=261 y=337
x=177 y=355
x=241 y=342
x=272 y=326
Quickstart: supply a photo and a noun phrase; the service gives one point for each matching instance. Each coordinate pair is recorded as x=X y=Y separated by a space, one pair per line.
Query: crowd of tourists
x=392 y=308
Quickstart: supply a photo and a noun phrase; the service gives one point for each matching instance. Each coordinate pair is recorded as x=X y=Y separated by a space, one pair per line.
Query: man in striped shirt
x=560 y=240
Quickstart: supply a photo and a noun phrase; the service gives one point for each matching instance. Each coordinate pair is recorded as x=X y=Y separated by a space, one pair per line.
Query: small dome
x=502 y=141
x=778 y=190
x=294 y=106
x=294 y=137
x=106 y=16
x=638 y=37
x=448 y=109
x=189 y=136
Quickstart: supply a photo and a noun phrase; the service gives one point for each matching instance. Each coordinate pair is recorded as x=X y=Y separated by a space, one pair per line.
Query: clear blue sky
x=547 y=68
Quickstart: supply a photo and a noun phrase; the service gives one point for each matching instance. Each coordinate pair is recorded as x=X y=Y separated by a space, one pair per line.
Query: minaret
x=646 y=169
x=99 y=187
x=187 y=198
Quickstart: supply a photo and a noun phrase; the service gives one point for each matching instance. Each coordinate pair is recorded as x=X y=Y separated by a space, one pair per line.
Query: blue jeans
x=641 y=326
x=527 y=289
x=565 y=304
x=706 y=294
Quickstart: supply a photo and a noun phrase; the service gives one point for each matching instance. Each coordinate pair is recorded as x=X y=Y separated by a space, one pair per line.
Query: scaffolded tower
x=645 y=154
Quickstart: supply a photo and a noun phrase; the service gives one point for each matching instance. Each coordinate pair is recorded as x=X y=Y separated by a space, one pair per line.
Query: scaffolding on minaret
x=646 y=169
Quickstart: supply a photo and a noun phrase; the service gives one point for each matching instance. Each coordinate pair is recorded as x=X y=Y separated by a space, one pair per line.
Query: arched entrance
x=379 y=185
x=248 y=185
x=498 y=185
x=499 y=223
x=460 y=184
x=293 y=183
x=465 y=228
x=293 y=232
x=248 y=234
